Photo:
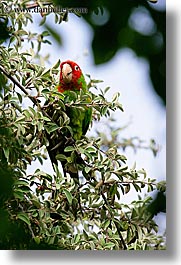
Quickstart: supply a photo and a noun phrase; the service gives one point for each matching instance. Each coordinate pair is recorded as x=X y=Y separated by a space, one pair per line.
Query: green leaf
x=21 y=32
x=56 y=65
x=106 y=89
x=85 y=235
x=90 y=149
x=117 y=205
x=115 y=97
x=134 y=214
x=46 y=118
x=161 y=186
x=77 y=238
x=68 y=195
x=45 y=91
x=51 y=128
x=61 y=157
x=24 y=217
x=105 y=224
x=45 y=33
x=45 y=73
x=36 y=203
x=139 y=231
x=37 y=240
x=150 y=188
x=113 y=189
x=21 y=183
x=42 y=21
x=69 y=149
x=96 y=205
x=6 y=152
x=54 y=34
x=47 y=177
x=18 y=195
x=109 y=245
x=24 y=189
x=137 y=187
x=87 y=169
x=127 y=188
x=27 y=113
x=124 y=225
x=19 y=97
x=33 y=111
x=21 y=118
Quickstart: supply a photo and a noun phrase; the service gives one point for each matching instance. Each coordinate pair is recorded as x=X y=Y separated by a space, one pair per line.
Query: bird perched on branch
x=61 y=141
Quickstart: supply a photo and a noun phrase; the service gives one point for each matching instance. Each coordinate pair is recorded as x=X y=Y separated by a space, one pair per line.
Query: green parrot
x=71 y=79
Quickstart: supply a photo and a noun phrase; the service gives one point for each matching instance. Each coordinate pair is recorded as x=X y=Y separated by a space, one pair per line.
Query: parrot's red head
x=70 y=76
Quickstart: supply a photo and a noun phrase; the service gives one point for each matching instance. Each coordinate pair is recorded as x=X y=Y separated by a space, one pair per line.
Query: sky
x=125 y=73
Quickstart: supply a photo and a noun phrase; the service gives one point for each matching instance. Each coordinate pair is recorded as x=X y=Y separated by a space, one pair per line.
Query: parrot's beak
x=67 y=73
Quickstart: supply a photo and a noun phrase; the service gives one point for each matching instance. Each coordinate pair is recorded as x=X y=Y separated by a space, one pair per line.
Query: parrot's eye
x=76 y=68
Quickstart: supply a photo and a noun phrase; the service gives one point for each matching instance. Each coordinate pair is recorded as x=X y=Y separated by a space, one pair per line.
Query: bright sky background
x=125 y=73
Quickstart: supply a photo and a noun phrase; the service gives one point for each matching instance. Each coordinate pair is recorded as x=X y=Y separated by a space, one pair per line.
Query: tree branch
x=33 y=99
x=117 y=227
x=9 y=76
x=30 y=6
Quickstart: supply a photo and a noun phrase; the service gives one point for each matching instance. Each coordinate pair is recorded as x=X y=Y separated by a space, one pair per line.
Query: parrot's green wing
x=87 y=120
x=80 y=118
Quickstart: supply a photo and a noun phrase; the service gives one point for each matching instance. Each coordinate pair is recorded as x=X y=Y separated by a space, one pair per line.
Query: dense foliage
x=53 y=211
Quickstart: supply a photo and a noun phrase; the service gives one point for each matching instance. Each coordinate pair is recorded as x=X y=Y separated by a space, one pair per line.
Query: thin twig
x=117 y=227
x=33 y=99
x=121 y=237
x=9 y=76
x=33 y=5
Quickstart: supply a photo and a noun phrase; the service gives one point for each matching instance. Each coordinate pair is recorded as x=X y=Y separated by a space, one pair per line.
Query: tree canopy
x=53 y=211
